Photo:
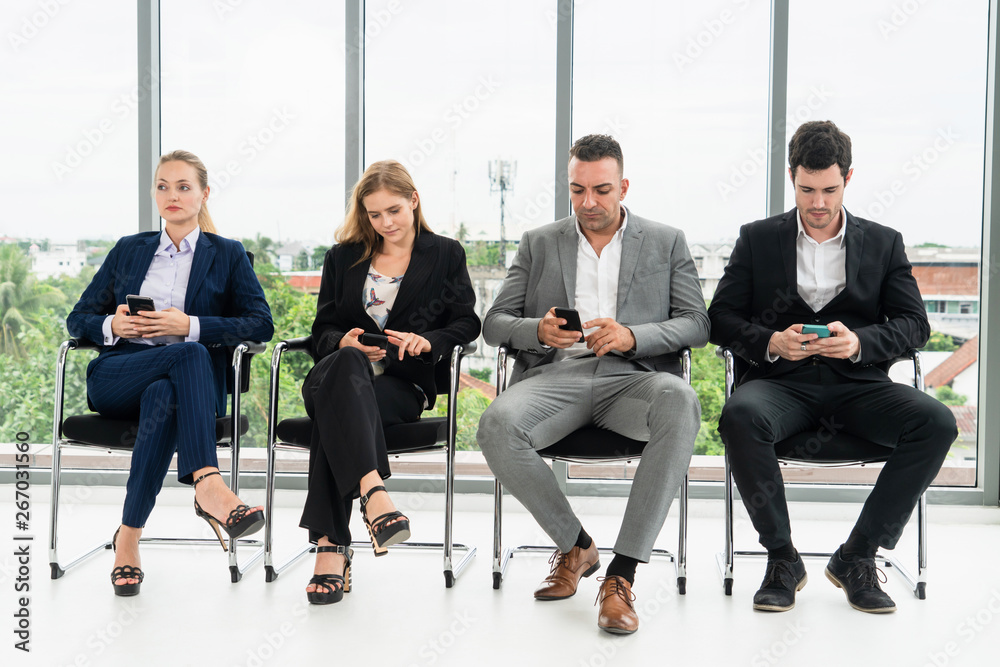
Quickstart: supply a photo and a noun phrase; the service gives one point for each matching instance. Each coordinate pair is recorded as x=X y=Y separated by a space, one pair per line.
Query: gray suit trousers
x=553 y=400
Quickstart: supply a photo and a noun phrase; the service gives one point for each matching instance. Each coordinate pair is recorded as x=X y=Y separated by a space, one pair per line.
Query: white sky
x=258 y=93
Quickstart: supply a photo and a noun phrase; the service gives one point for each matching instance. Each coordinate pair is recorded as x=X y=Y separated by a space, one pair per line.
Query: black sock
x=624 y=567
x=583 y=540
x=786 y=552
x=858 y=546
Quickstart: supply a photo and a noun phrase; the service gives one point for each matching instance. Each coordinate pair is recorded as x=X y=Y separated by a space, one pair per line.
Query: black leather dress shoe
x=860 y=580
x=781 y=580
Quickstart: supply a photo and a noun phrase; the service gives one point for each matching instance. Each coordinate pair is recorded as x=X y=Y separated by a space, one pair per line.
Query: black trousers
x=349 y=407
x=762 y=412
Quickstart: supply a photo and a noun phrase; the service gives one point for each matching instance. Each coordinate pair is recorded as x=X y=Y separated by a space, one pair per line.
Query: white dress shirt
x=820 y=269
x=596 y=284
x=166 y=282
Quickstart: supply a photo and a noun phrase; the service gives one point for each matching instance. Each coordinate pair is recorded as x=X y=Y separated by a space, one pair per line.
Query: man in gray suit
x=636 y=289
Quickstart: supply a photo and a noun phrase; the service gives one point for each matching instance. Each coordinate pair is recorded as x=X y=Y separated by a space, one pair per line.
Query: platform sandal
x=124 y=572
x=336 y=584
x=241 y=520
x=383 y=533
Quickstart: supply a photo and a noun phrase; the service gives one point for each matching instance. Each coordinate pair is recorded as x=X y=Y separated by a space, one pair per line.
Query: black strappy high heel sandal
x=336 y=584
x=383 y=533
x=241 y=520
x=124 y=572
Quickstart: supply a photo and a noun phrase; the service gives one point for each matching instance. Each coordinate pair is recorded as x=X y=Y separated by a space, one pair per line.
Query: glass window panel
x=258 y=94
x=68 y=98
x=916 y=116
x=684 y=88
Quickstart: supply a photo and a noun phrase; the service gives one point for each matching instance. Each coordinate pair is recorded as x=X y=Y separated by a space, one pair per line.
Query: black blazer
x=435 y=300
x=758 y=295
x=222 y=291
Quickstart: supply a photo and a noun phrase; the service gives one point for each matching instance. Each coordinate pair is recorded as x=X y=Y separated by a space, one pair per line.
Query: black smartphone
x=378 y=340
x=138 y=303
x=572 y=318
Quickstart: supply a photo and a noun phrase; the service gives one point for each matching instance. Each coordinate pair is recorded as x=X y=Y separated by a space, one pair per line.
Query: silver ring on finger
x=803 y=347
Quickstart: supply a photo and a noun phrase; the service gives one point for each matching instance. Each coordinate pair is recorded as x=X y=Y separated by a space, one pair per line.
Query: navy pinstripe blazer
x=223 y=292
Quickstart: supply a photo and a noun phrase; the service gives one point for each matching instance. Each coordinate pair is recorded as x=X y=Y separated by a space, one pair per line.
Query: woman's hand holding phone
x=350 y=339
x=408 y=343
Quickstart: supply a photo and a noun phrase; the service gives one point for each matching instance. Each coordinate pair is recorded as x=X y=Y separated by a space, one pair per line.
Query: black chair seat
x=93 y=429
x=427 y=433
x=820 y=447
x=594 y=444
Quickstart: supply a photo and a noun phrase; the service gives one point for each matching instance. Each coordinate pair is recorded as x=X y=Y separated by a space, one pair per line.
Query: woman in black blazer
x=394 y=300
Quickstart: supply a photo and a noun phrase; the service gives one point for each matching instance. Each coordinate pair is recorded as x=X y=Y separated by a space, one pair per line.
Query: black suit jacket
x=435 y=300
x=758 y=295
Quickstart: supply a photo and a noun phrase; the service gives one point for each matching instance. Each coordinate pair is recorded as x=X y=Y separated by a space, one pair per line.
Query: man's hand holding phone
x=550 y=332
x=797 y=342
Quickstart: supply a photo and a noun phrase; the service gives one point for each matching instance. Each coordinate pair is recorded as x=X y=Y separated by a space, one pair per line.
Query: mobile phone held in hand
x=372 y=339
x=572 y=318
x=820 y=330
x=137 y=304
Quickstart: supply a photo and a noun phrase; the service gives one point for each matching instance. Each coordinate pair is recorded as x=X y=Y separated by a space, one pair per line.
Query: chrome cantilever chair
x=820 y=449
x=92 y=431
x=426 y=434
x=589 y=445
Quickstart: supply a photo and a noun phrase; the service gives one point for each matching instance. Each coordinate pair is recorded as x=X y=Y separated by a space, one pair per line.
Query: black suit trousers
x=349 y=406
x=916 y=427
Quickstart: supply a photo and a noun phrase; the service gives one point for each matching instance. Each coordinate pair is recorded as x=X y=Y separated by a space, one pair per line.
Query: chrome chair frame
x=452 y=570
x=501 y=556
x=242 y=355
x=725 y=560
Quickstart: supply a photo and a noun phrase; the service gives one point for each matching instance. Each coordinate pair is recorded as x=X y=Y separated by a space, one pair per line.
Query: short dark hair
x=818 y=145
x=595 y=147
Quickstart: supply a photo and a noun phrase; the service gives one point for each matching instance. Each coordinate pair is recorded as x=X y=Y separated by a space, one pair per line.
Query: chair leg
x=682 y=539
x=726 y=565
x=500 y=556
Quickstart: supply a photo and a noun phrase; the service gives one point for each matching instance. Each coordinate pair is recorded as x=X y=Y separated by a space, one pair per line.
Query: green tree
x=708 y=379
x=462 y=235
x=484 y=374
x=301 y=261
x=23 y=300
x=939 y=342
x=483 y=254
x=318 y=255
x=948 y=396
x=263 y=249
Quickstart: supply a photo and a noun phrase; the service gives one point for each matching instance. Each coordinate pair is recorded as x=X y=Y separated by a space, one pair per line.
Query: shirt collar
x=839 y=235
x=187 y=243
x=618 y=235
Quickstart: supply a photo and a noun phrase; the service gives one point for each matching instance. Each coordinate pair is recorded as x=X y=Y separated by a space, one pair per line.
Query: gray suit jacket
x=659 y=297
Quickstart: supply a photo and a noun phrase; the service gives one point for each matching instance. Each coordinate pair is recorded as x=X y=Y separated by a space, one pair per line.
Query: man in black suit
x=818 y=264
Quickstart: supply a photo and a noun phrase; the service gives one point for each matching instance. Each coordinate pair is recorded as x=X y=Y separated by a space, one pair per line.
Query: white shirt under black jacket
x=820 y=269
x=596 y=284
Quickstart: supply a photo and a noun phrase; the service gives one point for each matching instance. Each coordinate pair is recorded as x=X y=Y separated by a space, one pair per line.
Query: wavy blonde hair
x=204 y=219
x=385 y=175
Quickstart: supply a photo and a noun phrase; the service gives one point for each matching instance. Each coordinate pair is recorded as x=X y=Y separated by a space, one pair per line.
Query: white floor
x=400 y=613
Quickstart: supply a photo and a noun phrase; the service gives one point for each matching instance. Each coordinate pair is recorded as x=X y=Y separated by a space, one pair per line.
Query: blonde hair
x=204 y=219
x=385 y=175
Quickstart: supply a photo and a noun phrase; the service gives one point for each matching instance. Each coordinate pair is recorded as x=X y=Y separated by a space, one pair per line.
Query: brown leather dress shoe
x=567 y=568
x=616 y=613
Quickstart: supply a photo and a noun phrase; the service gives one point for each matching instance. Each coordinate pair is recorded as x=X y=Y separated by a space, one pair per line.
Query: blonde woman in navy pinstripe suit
x=169 y=367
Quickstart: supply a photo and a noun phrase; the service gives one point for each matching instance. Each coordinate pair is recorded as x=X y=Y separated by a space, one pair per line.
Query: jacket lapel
x=631 y=246
x=788 y=232
x=139 y=265
x=422 y=262
x=854 y=238
x=567 y=244
x=204 y=256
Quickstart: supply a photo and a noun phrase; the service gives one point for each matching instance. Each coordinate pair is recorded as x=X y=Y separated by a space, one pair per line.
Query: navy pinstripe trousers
x=171 y=389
